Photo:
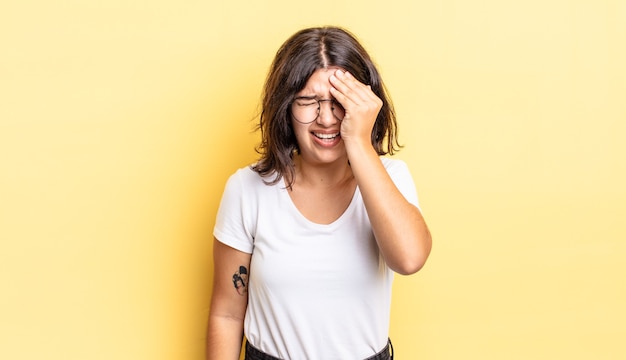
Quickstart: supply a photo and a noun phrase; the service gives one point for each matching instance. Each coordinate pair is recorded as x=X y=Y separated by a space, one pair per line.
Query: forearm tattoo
x=240 y=280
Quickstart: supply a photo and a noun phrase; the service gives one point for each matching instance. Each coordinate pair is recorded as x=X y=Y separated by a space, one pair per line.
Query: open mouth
x=326 y=136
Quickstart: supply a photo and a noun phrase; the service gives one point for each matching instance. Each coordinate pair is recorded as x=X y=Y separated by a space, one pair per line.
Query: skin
x=228 y=306
x=328 y=169
x=404 y=241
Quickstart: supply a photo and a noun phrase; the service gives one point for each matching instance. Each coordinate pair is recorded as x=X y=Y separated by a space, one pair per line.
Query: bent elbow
x=411 y=264
x=409 y=267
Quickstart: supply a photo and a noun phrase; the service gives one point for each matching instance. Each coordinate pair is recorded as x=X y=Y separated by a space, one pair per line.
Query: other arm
x=228 y=302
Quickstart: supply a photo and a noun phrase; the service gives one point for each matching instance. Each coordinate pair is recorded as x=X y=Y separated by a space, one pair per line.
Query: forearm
x=224 y=338
x=400 y=230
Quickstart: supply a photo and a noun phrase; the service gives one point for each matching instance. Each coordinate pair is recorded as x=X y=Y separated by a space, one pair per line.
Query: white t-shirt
x=315 y=291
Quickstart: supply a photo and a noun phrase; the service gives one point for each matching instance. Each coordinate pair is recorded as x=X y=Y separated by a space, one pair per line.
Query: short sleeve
x=401 y=176
x=233 y=224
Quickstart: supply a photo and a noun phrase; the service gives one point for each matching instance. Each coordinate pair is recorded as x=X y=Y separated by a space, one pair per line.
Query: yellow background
x=121 y=120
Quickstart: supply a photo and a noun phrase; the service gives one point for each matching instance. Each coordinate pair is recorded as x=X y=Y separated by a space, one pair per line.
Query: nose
x=326 y=116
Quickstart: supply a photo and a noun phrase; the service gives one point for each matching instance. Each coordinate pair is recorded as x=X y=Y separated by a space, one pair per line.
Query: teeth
x=326 y=136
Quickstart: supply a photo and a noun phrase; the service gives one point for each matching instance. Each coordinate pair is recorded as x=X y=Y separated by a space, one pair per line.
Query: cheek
x=298 y=131
x=298 y=136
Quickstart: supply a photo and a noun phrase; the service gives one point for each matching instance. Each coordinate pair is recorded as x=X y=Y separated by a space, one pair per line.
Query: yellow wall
x=121 y=120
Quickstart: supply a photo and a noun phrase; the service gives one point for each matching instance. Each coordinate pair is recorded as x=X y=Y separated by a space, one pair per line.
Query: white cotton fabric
x=315 y=291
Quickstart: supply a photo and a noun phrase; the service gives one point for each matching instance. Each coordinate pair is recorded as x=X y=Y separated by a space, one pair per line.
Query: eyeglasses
x=306 y=109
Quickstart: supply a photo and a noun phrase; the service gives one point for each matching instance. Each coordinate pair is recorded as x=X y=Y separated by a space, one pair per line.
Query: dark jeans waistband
x=253 y=353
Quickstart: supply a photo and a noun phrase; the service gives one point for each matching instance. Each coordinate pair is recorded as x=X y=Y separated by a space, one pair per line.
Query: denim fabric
x=253 y=353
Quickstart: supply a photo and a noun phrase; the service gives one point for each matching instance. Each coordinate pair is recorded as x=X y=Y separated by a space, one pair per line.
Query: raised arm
x=228 y=302
x=401 y=232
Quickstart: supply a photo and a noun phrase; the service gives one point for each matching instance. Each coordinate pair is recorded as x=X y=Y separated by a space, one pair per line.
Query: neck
x=326 y=175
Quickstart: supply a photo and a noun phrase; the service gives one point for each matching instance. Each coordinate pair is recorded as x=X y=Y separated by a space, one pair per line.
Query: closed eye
x=306 y=103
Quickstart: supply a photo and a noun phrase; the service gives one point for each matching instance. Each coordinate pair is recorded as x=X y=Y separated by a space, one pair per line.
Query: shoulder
x=246 y=174
x=394 y=165
x=248 y=180
x=400 y=174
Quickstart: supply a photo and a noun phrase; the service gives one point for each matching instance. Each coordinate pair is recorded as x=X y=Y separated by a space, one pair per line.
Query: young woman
x=321 y=222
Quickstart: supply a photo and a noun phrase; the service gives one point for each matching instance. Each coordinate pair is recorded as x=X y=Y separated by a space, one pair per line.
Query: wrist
x=359 y=148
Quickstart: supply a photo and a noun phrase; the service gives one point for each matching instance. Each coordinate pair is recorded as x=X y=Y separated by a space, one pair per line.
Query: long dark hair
x=297 y=59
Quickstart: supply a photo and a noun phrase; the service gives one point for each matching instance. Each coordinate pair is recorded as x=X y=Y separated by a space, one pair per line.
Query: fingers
x=353 y=95
x=350 y=89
